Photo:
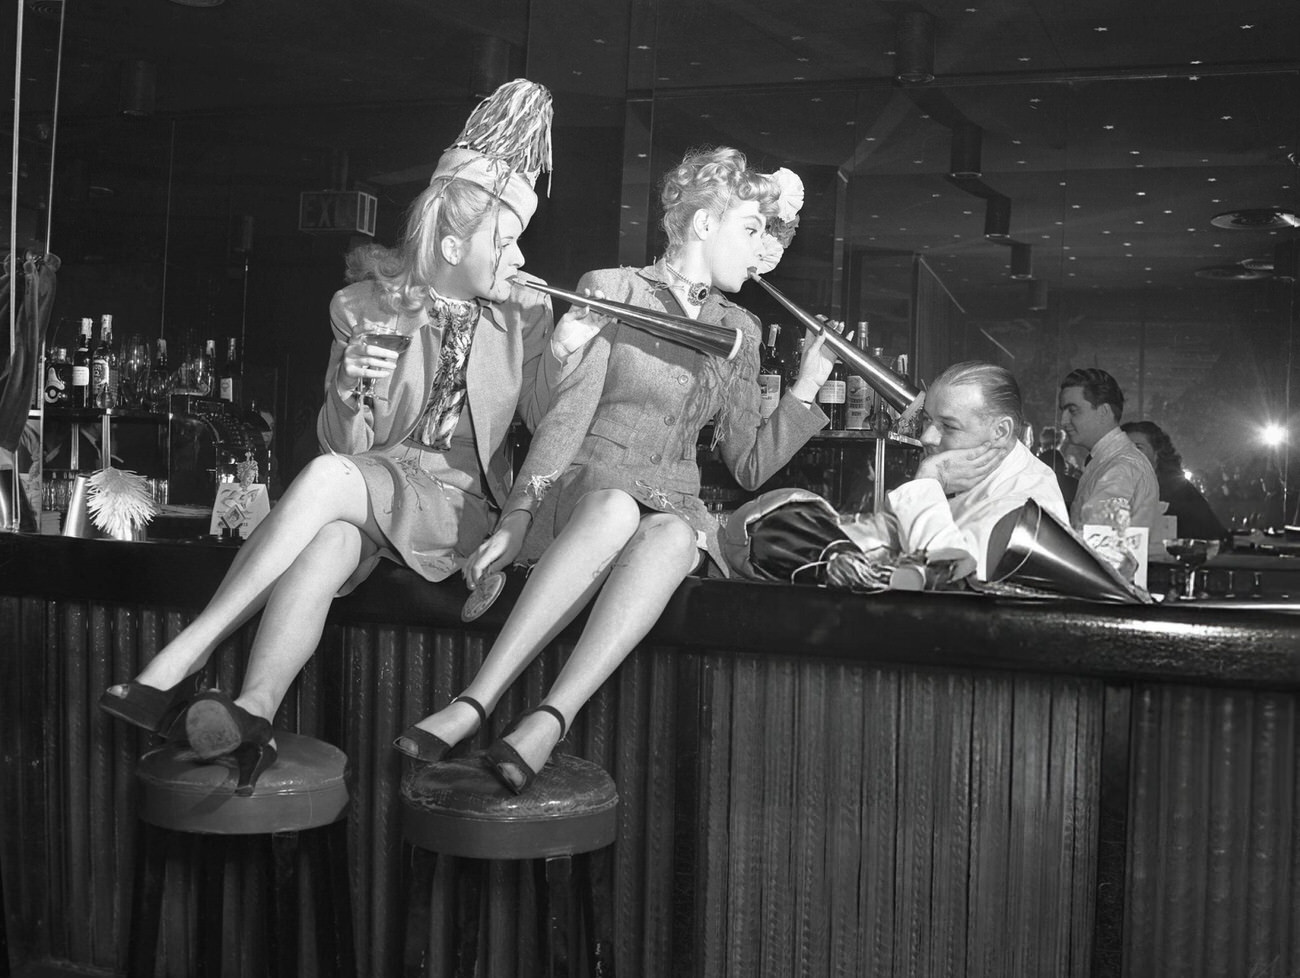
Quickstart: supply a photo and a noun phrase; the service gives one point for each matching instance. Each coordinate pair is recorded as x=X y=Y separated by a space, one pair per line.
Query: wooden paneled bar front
x=812 y=782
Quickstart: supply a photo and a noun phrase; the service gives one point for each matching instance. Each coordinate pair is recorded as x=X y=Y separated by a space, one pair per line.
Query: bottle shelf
x=56 y=412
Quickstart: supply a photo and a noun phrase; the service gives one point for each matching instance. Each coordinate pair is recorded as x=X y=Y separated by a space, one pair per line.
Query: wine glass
x=1192 y=554
x=134 y=372
x=386 y=335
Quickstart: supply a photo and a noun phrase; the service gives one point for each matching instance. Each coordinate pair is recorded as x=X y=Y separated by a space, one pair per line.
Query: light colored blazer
x=511 y=370
x=629 y=417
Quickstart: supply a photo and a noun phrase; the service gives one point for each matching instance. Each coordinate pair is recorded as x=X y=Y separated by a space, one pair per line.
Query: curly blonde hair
x=711 y=179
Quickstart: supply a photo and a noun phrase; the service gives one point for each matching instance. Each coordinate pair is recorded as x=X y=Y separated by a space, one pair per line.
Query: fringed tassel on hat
x=513 y=125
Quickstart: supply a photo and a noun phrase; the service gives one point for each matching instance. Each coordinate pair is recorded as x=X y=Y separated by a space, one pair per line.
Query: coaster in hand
x=481 y=598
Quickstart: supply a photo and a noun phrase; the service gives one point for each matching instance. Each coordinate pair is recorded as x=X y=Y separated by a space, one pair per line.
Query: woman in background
x=1195 y=517
x=611 y=475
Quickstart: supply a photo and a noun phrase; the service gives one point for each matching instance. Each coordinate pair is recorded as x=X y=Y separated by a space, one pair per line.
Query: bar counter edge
x=811 y=781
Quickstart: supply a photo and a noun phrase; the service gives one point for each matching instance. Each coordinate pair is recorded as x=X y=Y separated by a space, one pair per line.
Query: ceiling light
x=1022 y=261
x=1256 y=219
x=914 y=44
x=997 y=218
x=199 y=3
x=1230 y=273
x=1038 y=294
x=964 y=162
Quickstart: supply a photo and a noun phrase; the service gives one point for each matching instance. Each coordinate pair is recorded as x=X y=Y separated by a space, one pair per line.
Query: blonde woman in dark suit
x=611 y=481
x=409 y=475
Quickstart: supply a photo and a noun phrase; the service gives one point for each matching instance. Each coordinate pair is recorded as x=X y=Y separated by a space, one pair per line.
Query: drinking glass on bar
x=1193 y=555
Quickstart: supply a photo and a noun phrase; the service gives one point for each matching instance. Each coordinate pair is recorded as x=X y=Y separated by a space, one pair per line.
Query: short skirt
x=429 y=506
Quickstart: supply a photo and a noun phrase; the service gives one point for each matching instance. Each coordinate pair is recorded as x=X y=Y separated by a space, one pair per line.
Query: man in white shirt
x=975 y=470
x=1116 y=473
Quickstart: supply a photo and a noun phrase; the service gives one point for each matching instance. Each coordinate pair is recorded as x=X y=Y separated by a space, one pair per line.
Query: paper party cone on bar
x=1043 y=553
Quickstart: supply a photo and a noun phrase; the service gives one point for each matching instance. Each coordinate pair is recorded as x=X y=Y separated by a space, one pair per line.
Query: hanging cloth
x=18 y=376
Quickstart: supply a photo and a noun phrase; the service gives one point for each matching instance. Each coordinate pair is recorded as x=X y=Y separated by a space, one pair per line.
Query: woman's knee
x=337 y=542
x=670 y=533
x=614 y=509
x=325 y=473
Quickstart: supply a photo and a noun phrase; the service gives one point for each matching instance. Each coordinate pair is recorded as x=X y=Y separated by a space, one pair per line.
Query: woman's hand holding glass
x=371 y=355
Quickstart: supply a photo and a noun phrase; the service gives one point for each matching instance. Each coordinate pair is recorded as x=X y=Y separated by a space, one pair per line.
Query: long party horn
x=897 y=391
x=714 y=338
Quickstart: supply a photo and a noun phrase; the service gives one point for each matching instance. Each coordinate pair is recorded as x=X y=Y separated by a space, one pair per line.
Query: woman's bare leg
x=295 y=613
x=650 y=568
x=568 y=574
x=330 y=488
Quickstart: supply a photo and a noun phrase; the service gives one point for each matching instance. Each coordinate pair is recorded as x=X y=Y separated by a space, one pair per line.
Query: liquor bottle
x=771 y=373
x=229 y=382
x=160 y=378
x=883 y=416
x=831 y=397
x=103 y=369
x=82 y=392
x=58 y=378
x=204 y=369
x=858 y=393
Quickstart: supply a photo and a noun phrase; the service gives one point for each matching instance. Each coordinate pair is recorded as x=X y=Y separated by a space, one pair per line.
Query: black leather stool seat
x=458 y=808
x=304 y=789
x=253 y=885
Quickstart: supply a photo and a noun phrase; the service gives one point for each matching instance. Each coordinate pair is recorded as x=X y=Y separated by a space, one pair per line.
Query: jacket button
x=670 y=420
x=681 y=379
x=656 y=458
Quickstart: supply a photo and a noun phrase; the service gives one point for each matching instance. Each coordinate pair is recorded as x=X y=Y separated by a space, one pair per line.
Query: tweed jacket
x=511 y=369
x=630 y=414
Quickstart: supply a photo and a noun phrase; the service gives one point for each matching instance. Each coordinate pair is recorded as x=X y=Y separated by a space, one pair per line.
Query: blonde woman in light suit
x=611 y=475
x=400 y=474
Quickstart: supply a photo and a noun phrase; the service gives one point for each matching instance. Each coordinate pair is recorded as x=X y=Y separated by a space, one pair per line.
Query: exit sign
x=351 y=211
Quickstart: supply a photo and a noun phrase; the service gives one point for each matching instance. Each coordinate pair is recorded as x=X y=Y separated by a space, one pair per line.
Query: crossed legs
x=634 y=560
x=291 y=567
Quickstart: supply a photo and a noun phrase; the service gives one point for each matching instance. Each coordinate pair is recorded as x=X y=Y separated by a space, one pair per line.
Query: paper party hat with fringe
x=505 y=144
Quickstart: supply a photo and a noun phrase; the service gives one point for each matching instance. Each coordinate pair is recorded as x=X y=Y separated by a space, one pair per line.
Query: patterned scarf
x=457 y=319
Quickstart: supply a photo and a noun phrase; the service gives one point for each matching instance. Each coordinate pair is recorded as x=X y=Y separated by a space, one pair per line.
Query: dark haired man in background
x=1116 y=473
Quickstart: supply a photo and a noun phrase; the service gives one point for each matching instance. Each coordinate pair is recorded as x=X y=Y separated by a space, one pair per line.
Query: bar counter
x=812 y=781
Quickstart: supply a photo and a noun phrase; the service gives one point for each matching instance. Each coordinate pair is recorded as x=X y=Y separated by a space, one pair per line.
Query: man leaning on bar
x=975 y=471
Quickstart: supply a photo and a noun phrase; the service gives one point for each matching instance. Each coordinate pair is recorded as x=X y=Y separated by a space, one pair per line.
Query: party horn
x=717 y=339
x=897 y=392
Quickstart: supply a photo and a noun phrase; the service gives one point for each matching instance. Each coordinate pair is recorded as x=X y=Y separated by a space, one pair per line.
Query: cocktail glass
x=1193 y=555
x=387 y=336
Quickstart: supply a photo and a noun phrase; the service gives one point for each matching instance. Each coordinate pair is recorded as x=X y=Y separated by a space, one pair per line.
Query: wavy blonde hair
x=403 y=274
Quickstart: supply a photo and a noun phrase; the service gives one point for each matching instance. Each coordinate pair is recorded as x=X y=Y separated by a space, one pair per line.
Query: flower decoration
x=781 y=227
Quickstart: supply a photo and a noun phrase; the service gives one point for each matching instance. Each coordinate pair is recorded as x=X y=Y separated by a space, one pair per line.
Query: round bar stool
x=253 y=885
x=458 y=811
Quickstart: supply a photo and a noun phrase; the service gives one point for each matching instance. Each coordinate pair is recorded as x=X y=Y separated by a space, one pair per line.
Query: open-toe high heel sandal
x=416 y=742
x=507 y=764
x=147 y=707
x=216 y=726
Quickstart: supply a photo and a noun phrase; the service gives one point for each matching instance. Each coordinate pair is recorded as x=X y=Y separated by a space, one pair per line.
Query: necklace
x=696 y=292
